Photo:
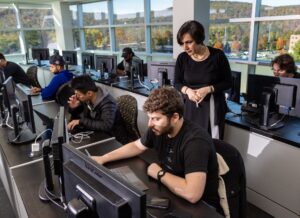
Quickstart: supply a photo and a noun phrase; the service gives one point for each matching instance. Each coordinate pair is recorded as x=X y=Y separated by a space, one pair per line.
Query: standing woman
x=202 y=73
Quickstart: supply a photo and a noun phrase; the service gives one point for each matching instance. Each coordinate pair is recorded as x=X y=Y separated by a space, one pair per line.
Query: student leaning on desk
x=93 y=108
x=14 y=70
x=188 y=164
x=61 y=76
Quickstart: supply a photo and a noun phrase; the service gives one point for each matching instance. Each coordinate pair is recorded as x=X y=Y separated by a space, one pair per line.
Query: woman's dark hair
x=286 y=62
x=166 y=100
x=84 y=84
x=194 y=28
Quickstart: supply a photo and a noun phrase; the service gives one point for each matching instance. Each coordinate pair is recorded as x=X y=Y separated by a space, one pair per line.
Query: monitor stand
x=23 y=137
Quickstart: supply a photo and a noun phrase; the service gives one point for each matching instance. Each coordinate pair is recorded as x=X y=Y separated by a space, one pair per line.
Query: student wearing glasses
x=202 y=73
x=187 y=159
x=284 y=66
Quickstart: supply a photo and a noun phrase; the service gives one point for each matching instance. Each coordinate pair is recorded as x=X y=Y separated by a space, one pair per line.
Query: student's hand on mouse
x=72 y=124
x=153 y=170
x=35 y=89
x=73 y=102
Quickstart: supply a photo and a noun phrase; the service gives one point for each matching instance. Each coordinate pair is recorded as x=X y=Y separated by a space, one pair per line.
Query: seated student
x=123 y=68
x=284 y=66
x=93 y=108
x=61 y=77
x=186 y=152
x=12 y=69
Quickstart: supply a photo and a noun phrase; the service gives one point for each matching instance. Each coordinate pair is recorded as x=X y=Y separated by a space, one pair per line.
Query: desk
x=16 y=156
x=272 y=164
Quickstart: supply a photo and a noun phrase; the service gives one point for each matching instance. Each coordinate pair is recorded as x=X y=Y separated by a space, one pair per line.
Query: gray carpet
x=6 y=210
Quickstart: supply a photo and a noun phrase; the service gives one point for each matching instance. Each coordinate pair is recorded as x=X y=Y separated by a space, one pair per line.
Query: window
x=128 y=12
x=279 y=7
x=133 y=37
x=97 y=38
x=40 y=39
x=36 y=17
x=76 y=38
x=95 y=14
x=162 y=39
x=8 y=17
x=74 y=14
x=9 y=42
x=224 y=10
x=161 y=11
x=278 y=37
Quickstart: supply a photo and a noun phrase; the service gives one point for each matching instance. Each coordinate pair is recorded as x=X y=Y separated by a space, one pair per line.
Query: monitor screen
x=87 y=60
x=163 y=72
x=70 y=57
x=286 y=93
x=234 y=93
x=106 y=63
x=102 y=192
x=137 y=68
x=40 y=54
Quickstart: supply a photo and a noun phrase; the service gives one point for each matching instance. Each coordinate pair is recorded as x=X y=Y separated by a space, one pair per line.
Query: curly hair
x=166 y=100
x=194 y=28
x=285 y=62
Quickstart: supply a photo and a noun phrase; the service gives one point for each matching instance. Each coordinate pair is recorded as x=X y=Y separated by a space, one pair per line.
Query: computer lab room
x=149 y=108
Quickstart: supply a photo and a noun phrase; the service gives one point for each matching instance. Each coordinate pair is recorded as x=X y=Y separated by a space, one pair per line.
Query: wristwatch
x=160 y=174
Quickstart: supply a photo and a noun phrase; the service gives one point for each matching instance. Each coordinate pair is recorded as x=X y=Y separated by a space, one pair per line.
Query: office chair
x=129 y=112
x=32 y=72
x=235 y=179
x=63 y=94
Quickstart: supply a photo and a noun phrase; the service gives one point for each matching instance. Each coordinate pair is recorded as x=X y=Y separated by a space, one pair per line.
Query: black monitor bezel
x=104 y=175
x=153 y=74
x=91 y=57
x=72 y=54
x=108 y=58
x=40 y=54
x=137 y=65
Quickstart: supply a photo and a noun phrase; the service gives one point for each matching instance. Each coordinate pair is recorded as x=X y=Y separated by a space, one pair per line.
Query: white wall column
x=189 y=10
x=63 y=25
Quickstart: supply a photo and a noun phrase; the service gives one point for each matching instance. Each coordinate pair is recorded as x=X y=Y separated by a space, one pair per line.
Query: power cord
x=78 y=137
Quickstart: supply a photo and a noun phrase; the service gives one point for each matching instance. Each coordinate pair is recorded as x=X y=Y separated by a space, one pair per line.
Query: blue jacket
x=48 y=93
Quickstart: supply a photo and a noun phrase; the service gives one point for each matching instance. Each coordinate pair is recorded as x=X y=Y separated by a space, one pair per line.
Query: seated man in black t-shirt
x=12 y=69
x=123 y=68
x=186 y=152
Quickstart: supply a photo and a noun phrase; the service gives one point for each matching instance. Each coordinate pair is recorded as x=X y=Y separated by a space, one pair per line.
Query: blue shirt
x=48 y=93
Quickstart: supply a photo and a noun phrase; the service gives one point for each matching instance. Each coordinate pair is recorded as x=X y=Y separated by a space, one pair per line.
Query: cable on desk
x=78 y=137
x=150 y=214
x=46 y=130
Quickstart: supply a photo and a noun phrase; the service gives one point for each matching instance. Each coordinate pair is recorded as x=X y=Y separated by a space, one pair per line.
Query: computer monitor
x=70 y=57
x=9 y=97
x=270 y=94
x=51 y=188
x=21 y=112
x=233 y=94
x=55 y=52
x=40 y=54
x=137 y=68
x=163 y=72
x=99 y=190
x=106 y=63
x=2 y=109
x=87 y=60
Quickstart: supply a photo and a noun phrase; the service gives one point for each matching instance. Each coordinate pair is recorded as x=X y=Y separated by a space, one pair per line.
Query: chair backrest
x=235 y=179
x=32 y=72
x=63 y=94
x=128 y=108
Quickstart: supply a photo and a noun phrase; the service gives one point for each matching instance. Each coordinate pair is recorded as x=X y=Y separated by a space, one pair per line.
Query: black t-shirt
x=191 y=150
x=18 y=74
x=121 y=66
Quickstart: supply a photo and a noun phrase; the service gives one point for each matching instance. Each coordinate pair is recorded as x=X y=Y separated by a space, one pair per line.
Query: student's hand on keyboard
x=35 y=90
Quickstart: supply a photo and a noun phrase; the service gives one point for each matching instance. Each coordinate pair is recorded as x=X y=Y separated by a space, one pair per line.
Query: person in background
x=284 y=66
x=202 y=73
x=123 y=68
x=61 y=76
x=93 y=108
x=14 y=70
x=187 y=158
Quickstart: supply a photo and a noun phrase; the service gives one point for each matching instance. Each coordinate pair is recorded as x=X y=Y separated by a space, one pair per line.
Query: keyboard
x=129 y=176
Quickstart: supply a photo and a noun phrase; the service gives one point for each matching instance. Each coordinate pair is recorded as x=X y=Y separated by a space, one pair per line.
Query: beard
x=160 y=130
